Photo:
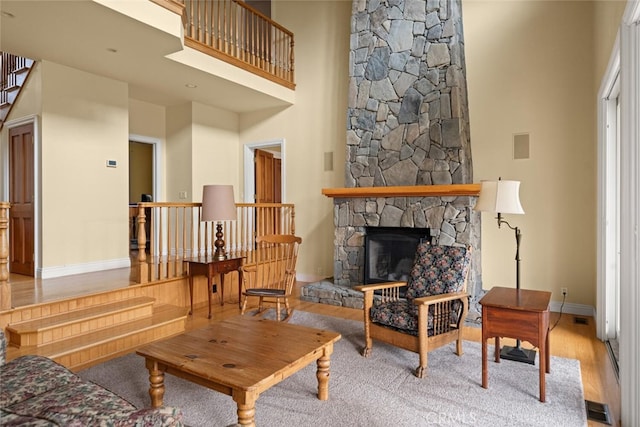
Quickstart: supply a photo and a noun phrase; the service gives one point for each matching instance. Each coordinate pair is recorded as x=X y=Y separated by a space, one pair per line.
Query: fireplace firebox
x=390 y=251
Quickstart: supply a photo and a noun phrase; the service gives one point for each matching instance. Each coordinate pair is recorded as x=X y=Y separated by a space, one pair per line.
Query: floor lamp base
x=518 y=354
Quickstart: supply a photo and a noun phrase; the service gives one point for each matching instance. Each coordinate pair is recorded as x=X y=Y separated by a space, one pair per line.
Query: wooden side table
x=521 y=314
x=210 y=268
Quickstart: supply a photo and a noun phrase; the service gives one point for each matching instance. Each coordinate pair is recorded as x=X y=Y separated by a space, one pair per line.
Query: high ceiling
x=86 y=35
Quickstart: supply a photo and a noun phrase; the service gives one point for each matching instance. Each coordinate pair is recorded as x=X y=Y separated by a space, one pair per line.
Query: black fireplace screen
x=389 y=252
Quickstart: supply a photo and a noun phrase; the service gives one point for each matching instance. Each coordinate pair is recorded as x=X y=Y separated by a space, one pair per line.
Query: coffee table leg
x=156 y=380
x=246 y=407
x=324 y=362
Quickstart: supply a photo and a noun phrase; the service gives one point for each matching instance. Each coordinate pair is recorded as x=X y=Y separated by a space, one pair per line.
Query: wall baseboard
x=571 y=308
x=90 y=267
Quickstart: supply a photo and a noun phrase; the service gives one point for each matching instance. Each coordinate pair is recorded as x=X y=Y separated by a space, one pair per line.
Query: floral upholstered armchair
x=433 y=309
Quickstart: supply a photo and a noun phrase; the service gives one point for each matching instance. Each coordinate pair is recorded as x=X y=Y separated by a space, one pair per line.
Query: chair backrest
x=438 y=270
x=277 y=255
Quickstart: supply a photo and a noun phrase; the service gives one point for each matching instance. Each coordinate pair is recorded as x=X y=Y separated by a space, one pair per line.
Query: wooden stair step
x=82 y=351
x=76 y=322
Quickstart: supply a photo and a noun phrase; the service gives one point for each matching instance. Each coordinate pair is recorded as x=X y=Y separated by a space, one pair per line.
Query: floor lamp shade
x=503 y=197
x=499 y=197
x=218 y=205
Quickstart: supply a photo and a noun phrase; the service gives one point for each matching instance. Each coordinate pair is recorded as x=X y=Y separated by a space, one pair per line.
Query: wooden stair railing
x=5 y=287
x=164 y=234
x=14 y=71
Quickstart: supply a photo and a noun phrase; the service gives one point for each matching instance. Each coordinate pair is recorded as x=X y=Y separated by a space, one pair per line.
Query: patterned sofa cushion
x=36 y=391
x=29 y=376
x=10 y=420
x=75 y=404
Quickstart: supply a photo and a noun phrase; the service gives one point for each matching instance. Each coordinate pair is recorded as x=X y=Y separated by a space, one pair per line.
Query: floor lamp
x=218 y=205
x=502 y=197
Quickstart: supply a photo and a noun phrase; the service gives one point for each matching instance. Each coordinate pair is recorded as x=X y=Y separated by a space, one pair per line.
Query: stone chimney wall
x=407 y=125
x=408 y=120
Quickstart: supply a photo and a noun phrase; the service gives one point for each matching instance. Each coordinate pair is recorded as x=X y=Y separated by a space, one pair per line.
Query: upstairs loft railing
x=165 y=234
x=234 y=32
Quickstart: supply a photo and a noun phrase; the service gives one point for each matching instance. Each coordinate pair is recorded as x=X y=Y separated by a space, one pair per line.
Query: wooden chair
x=433 y=310
x=272 y=276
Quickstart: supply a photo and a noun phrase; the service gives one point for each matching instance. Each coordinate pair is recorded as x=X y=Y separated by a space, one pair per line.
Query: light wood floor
x=568 y=339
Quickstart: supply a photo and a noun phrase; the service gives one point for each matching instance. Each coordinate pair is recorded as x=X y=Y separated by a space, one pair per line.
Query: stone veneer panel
x=407 y=124
x=407 y=121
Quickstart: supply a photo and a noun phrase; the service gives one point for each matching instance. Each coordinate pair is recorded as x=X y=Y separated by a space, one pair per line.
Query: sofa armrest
x=166 y=416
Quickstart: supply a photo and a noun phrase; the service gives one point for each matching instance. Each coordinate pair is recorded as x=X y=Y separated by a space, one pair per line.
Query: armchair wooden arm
x=379 y=286
x=434 y=299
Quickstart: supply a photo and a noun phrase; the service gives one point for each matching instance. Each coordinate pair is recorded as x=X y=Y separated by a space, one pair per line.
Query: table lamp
x=502 y=197
x=218 y=205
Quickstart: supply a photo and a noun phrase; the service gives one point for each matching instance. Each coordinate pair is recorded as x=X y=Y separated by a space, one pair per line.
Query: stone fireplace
x=408 y=160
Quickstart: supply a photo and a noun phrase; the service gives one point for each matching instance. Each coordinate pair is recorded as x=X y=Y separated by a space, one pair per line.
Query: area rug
x=377 y=391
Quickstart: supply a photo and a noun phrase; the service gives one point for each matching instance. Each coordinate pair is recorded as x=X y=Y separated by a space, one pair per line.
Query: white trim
x=631 y=13
x=629 y=215
x=311 y=278
x=603 y=261
x=249 y=169
x=37 y=179
x=90 y=267
x=572 y=308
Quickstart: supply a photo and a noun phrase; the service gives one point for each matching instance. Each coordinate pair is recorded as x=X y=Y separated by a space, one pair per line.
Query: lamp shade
x=218 y=203
x=500 y=197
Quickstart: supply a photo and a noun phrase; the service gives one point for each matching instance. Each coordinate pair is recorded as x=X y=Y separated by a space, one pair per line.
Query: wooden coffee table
x=241 y=357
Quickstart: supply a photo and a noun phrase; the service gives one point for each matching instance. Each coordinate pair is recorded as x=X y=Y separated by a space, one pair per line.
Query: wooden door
x=264 y=177
x=21 y=189
x=268 y=184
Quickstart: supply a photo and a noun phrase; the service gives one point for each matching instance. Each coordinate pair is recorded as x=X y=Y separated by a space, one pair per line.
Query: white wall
x=215 y=152
x=315 y=125
x=84 y=203
x=530 y=68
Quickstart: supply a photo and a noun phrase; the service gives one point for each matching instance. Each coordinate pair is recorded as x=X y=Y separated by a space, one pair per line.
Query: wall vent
x=598 y=412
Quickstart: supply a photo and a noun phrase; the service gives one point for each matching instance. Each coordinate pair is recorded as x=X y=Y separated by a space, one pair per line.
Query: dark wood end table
x=521 y=314
x=211 y=267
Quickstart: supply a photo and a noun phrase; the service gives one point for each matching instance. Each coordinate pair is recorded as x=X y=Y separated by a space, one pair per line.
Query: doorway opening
x=144 y=180
x=264 y=166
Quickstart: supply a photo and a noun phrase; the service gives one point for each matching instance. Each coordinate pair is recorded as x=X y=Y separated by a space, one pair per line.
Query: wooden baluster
x=5 y=286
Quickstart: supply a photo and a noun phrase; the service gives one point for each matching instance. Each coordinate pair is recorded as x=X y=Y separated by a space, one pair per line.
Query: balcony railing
x=168 y=233
x=234 y=32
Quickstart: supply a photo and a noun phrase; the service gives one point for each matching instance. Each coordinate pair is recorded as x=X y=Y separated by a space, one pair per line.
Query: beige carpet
x=377 y=391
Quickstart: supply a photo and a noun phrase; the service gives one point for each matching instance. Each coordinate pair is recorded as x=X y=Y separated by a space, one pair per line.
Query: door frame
x=37 y=181
x=607 y=244
x=157 y=169
x=156 y=161
x=249 y=167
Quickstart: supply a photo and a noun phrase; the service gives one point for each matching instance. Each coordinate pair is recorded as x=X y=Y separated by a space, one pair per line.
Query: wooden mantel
x=405 y=191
